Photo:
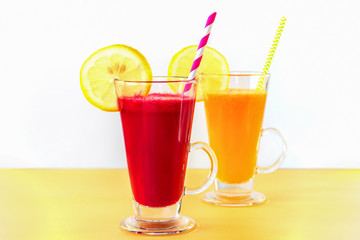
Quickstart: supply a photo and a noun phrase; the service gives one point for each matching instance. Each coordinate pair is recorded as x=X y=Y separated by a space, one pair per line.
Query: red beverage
x=157 y=133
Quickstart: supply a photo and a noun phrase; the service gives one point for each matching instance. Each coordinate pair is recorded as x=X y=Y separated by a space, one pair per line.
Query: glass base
x=181 y=224
x=254 y=198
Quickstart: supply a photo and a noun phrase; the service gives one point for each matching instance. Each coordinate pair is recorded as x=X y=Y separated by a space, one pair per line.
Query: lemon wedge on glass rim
x=212 y=62
x=118 y=61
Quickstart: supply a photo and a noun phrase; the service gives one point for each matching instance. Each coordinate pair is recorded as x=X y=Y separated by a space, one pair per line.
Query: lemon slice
x=212 y=62
x=102 y=67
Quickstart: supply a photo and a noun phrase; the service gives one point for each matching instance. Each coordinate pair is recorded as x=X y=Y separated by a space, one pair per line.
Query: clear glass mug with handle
x=156 y=120
x=234 y=120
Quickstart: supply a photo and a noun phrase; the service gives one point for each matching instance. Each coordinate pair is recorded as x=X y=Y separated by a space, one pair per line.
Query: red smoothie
x=157 y=132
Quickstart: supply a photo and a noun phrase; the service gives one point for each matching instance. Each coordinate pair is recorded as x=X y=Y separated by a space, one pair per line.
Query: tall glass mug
x=156 y=119
x=234 y=119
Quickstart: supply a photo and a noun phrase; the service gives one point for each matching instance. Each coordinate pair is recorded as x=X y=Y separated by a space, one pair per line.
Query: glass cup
x=234 y=120
x=156 y=119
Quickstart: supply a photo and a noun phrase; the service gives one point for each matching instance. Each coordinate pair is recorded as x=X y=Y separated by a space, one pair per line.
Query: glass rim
x=165 y=79
x=238 y=74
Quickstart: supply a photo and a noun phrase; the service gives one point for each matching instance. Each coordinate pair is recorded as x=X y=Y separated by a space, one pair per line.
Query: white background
x=46 y=122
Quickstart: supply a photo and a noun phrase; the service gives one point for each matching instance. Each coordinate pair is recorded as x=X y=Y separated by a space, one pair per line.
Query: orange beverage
x=234 y=120
x=234 y=117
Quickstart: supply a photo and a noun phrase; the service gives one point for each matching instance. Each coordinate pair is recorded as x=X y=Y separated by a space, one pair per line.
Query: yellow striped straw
x=271 y=54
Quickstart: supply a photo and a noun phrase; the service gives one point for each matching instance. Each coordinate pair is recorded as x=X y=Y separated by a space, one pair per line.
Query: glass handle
x=275 y=133
x=213 y=169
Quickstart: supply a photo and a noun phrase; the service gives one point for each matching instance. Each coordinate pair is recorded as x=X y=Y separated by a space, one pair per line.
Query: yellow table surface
x=76 y=204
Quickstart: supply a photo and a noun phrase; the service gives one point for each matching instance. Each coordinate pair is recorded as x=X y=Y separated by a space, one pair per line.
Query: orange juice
x=234 y=120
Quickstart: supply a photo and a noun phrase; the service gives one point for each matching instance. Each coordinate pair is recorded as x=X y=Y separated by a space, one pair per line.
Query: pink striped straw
x=200 y=50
